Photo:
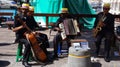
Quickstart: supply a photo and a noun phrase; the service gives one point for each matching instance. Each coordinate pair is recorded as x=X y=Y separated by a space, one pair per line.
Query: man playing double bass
x=20 y=29
x=33 y=25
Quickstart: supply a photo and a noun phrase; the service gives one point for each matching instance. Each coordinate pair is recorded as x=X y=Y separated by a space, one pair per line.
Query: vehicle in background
x=96 y=5
x=8 y=4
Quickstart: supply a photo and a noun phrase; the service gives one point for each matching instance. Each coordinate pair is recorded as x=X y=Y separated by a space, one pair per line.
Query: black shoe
x=96 y=54
x=50 y=59
x=26 y=64
x=107 y=59
x=55 y=57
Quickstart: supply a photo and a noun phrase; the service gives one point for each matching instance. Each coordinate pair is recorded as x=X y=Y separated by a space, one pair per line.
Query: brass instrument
x=98 y=27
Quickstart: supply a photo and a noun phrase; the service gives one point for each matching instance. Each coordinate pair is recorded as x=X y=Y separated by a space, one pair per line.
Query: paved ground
x=8 y=52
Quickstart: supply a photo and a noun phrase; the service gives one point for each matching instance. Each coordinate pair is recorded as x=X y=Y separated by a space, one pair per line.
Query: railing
x=6 y=14
x=76 y=15
x=57 y=15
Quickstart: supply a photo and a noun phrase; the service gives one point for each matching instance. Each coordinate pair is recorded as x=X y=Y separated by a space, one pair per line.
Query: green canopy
x=54 y=7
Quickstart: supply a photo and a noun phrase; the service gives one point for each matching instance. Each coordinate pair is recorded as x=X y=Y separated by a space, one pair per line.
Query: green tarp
x=54 y=7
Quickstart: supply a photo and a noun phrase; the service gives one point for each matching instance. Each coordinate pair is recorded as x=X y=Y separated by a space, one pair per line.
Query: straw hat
x=25 y=6
x=107 y=5
x=31 y=8
x=64 y=10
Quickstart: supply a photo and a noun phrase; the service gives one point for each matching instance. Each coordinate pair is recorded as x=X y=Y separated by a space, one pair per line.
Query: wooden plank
x=76 y=15
x=6 y=14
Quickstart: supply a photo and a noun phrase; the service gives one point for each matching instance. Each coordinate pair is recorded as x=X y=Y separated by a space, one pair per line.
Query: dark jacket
x=109 y=22
x=30 y=22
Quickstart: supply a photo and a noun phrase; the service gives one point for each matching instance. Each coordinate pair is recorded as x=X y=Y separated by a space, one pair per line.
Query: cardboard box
x=78 y=40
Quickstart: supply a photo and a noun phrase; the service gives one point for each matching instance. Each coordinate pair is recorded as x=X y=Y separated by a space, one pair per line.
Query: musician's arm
x=16 y=28
x=56 y=26
x=56 y=29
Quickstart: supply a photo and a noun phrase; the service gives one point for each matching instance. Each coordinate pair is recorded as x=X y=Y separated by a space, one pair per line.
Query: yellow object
x=72 y=55
x=31 y=8
x=25 y=6
x=106 y=5
x=64 y=10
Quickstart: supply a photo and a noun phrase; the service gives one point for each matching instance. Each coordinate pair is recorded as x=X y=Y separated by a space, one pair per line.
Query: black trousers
x=58 y=41
x=42 y=38
x=107 y=43
x=27 y=49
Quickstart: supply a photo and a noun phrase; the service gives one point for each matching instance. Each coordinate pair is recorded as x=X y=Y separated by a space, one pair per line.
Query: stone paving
x=8 y=52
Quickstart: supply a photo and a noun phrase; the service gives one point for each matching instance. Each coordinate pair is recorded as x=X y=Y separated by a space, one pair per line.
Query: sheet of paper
x=77 y=46
x=84 y=45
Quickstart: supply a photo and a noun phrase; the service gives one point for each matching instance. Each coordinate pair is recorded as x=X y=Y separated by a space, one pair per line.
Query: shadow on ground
x=115 y=58
x=4 y=63
x=96 y=64
x=7 y=55
x=4 y=44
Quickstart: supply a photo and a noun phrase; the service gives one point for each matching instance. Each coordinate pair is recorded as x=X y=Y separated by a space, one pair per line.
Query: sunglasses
x=106 y=8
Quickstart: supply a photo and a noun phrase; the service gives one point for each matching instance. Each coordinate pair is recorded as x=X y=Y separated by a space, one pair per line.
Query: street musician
x=23 y=20
x=105 y=24
x=61 y=35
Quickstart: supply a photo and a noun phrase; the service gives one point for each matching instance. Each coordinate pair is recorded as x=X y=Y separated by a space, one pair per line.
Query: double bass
x=31 y=37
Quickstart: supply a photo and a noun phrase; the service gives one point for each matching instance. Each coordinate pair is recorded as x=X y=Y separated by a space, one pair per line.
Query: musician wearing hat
x=20 y=29
x=58 y=37
x=104 y=28
x=41 y=37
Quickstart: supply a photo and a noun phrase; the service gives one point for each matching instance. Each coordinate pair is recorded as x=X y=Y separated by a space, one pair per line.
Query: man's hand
x=17 y=28
x=58 y=29
x=24 y=25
